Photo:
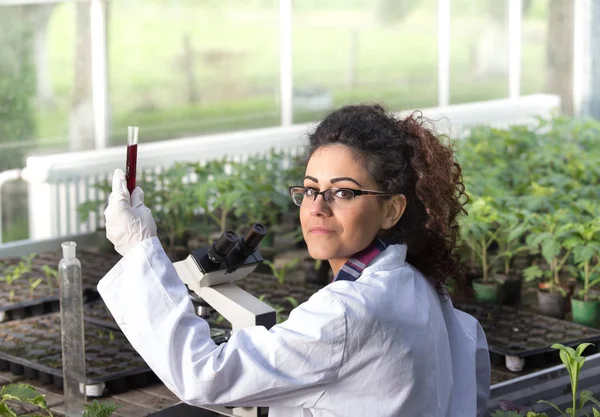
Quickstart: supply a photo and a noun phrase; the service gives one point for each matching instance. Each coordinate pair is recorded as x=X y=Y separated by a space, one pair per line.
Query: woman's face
x=334 y=233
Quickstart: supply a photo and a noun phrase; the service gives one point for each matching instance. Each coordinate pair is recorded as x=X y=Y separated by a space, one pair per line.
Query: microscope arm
x=240 y=308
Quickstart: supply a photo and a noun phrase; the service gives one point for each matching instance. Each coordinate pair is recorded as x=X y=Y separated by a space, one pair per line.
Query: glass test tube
x=72 y=331
x=131 y=167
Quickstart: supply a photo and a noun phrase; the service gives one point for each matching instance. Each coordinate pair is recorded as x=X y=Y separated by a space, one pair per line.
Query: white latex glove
x=128 y=220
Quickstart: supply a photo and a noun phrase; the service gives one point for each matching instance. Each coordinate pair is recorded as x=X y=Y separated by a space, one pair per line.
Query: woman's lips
x=317 y=230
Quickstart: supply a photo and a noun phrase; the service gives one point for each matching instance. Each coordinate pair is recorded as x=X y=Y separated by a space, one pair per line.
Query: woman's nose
x=319 y=207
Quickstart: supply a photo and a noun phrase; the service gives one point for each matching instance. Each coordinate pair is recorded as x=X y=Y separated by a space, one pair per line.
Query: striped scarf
x=355 y=265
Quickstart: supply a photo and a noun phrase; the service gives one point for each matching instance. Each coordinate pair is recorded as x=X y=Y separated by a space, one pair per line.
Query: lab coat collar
x=392 y=258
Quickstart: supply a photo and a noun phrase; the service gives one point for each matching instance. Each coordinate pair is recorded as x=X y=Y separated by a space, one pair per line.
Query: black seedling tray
x=97 y=313
x=521 y=333
x=94 y=265
x=32 y=347
x=28 y=308
x=19 y=301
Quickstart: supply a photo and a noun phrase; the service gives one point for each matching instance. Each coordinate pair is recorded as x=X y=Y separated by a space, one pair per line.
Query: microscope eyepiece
x=254 y=236
x=246 y=246
x=220 y=249
x=225 y=243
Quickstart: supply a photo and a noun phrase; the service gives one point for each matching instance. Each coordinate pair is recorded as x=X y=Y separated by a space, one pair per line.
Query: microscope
x=210 y=275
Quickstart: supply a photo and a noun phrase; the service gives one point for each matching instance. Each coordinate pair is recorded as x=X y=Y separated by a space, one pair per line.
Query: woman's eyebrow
x=308 y=177
x=345 y=179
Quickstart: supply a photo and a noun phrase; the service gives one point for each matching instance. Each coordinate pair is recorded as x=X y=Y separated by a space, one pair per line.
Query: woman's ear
x=393 y=210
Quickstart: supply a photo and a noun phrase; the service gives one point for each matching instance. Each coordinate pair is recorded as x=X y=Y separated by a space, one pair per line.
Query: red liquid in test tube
x=130 y=171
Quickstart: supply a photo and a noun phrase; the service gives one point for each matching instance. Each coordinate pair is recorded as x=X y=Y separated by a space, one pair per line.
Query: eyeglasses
x=338 y=197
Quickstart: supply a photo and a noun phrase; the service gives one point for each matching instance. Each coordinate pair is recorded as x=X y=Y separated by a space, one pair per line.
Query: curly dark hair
x=404 y=156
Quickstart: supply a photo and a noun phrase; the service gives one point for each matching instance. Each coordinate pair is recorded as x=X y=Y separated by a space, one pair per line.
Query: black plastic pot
x=551 y=304
x=512 y=288
x=313 y=275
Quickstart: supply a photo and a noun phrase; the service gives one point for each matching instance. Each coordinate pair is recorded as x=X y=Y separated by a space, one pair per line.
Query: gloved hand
x=128 y=220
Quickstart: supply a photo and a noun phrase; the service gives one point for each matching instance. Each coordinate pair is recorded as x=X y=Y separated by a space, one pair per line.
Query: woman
x=380 y=202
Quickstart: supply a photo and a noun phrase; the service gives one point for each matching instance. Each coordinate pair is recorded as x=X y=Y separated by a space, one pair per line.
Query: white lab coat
x=384 y=345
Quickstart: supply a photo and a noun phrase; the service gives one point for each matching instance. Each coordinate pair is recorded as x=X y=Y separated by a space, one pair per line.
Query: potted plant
x=548 y=236
x=586 y=256
x=508 y=237
x=478 y=232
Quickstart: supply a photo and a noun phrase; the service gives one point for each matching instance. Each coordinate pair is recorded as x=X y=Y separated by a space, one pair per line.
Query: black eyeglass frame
x=356 y=193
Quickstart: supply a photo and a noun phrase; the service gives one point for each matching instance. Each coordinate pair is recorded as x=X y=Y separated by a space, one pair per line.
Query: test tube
x=72 y=331
x=131 y=167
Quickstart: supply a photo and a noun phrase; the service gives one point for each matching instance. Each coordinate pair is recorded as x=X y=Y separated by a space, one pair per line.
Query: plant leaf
x=531 y=273
x=553 y=406
x=582 y=347
x=292 y=301
x=23 y=393
x=584 y=397
x=550 y=249
x=5 y=411
x=501 y=413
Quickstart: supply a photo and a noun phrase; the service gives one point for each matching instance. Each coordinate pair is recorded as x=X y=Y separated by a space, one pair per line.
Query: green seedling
x=11 y=296
x=28 y=260
x=33 y=284
x=479 y=230
x=586 y=252
x=111 y=336
x=573 y=361
x=51 y=275
x=278 y=309
x=292 y=301
x=22 y=393
x=98 y=409
x=280 y=273
x=551 y=236
x=12 y=274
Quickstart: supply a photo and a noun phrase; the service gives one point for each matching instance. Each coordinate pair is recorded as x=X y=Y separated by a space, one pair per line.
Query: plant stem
x=223 y=220
x=586 y=267
x=574 y=386
x=484 y=261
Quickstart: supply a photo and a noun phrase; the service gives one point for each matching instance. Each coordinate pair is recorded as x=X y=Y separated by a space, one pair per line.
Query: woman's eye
x=310 y=192
x=344 y=194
